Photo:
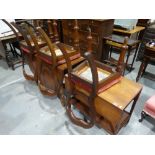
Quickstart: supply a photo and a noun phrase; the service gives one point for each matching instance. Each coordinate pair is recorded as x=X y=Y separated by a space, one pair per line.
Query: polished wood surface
x=127 y=88
x=135 y=30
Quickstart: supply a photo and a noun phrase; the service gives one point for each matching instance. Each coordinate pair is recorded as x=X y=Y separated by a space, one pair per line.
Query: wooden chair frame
x=29 y=57
x=72 y=94
x=120 y=65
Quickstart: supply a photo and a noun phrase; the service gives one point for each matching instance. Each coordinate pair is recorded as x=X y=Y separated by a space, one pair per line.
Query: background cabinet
x=99 y=28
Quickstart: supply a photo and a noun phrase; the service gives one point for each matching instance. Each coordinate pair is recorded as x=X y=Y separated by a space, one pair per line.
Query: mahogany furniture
x=99 y=28
x=116 y=42
x=49 y=59
x=136 y=33
x=119 y=64
x=50 y=25
x=149 y=55
x=107 y=108
x=28 y=51
x=129 y=33
x=149 y=108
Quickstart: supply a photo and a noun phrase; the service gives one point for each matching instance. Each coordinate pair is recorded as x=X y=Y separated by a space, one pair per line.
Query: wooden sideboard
x=100 y=28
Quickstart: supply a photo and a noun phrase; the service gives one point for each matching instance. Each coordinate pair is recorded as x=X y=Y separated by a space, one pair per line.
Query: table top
x=120 y=40
x=122 y=93
x=8 y=37
x=135 y=30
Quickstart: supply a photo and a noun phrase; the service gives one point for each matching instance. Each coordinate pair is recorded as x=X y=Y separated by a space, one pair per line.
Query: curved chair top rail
x=30 y=32
x=68 y=61
x=49 y=44
x=20 y=28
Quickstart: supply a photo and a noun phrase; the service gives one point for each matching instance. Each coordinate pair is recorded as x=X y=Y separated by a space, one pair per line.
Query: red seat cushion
x=48 y=59
x=149 y=107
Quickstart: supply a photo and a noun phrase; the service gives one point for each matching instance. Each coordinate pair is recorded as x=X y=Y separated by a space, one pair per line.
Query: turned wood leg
x=141 y=69
x=134 y=57
x=127 y=58
x=143 y=115
x=110 y=51
x=146 y=63
x=134 y=103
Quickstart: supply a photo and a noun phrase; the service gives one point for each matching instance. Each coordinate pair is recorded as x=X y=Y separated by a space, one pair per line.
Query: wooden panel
x=112 y=95
x=99 y=28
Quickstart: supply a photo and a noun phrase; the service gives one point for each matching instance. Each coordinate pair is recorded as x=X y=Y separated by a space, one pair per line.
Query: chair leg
x=134 y=57
x=110 y=52
x=143 y=115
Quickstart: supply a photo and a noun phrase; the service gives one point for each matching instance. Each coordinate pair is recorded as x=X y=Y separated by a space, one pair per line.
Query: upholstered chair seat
x=149 y=107
x=24 y=46
x=82 y=77
x=45 y=54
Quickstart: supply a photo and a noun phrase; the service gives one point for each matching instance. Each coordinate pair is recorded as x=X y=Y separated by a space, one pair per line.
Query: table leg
x=105 y=51
x=134 y=103
x=127 y=58
x=110 y=52
x=142 y=69
x=137 y=48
